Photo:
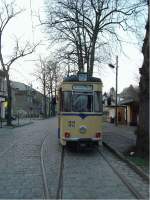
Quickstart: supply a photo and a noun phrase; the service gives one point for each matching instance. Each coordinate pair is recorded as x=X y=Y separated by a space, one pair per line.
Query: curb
x=130 y=163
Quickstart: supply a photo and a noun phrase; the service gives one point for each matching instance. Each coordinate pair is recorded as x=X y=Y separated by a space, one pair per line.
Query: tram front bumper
x=82 y=139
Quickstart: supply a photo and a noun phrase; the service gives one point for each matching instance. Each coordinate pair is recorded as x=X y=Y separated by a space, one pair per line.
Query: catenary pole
x=116 y=100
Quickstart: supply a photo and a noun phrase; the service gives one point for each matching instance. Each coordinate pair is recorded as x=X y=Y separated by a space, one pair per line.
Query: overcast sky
x=24 y=27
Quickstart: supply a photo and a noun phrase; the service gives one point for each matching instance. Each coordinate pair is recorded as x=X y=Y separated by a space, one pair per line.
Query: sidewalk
x=121 y=138
x=17 y=123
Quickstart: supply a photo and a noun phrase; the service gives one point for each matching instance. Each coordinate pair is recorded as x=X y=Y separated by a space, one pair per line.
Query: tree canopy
x=85 y=28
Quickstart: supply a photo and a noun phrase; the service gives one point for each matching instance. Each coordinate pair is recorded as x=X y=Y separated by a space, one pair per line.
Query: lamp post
x=116 y=102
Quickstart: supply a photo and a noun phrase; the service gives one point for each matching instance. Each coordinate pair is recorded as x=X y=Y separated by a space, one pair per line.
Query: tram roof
x=75 y=78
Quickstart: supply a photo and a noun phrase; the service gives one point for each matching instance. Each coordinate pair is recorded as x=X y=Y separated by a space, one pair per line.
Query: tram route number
x=71 y=124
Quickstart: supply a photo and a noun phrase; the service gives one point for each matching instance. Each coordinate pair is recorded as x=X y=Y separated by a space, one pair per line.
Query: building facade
x=26 y=101
x=127 y=106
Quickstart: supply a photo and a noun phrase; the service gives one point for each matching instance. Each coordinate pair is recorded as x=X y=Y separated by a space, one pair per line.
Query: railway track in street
x=60 y=183
x=122 y=177
x=119 y=167
x=24 y=172
x=44 y=177
x=59 y=192
x=144 y=176
x=66 y=174
x=45 y=183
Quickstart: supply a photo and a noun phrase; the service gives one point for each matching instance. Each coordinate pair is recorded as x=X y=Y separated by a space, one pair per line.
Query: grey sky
x=23 y=70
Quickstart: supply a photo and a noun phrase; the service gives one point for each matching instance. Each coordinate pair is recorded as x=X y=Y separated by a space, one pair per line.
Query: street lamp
x=116 y=103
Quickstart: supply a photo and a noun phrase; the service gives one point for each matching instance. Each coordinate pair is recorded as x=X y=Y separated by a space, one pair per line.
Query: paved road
x=20 y=169
x=86 y=175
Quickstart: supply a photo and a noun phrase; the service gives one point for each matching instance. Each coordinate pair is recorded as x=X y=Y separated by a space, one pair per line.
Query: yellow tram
x=80 y=110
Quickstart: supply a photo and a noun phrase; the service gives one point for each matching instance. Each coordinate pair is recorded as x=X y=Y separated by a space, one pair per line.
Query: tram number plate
x=71 y=124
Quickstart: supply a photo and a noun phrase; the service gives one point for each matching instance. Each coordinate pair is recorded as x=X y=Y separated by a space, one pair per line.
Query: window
x=66 y=101
x=98 y=106
x=82 y=102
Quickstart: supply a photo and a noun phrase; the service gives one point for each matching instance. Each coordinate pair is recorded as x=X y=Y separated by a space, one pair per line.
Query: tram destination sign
x=82 y=87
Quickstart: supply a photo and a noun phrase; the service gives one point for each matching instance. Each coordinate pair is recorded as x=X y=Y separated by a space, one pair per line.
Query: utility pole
x=116 y=100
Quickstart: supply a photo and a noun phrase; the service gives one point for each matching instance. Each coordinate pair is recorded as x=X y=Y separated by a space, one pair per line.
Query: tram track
x=45 y=183
x=63 y=182
x=59 y=194
x=144 y=176
x=122 y=177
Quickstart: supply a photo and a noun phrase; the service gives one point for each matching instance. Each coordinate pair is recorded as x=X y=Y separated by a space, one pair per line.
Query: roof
x=75 y=78
x=20 y=86
x=113 y=106
x=126 y=101
x=130 y=93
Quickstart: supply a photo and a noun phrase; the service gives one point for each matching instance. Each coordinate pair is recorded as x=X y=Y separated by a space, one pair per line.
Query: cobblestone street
x=20 y=169
x=74 y=99
x=88 y=176
x=85 y=174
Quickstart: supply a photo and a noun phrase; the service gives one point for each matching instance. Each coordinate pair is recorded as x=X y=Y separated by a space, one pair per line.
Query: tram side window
x=66 y=104
x=98 y=107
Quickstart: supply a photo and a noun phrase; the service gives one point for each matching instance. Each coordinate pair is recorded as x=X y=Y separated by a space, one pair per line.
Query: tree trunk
x=45 y=107
x=142 y=142
x=45 y=104
x=49 y=106
x=92 y=57
x=44 y=90
x=8 y=100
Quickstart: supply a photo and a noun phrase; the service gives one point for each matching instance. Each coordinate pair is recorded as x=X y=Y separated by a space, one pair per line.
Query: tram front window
x=66 y=101
x=82 y=103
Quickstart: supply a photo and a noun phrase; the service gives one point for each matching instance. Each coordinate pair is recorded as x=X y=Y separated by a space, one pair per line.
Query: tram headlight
x=83 y=129
x=67 y=134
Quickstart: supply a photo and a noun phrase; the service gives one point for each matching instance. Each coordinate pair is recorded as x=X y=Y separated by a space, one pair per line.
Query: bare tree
x=54 y=78
x=50 y=82
x=49 y=74
x=85 y=26
x=42 y=75
x=142 y=142
x=7 y=14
